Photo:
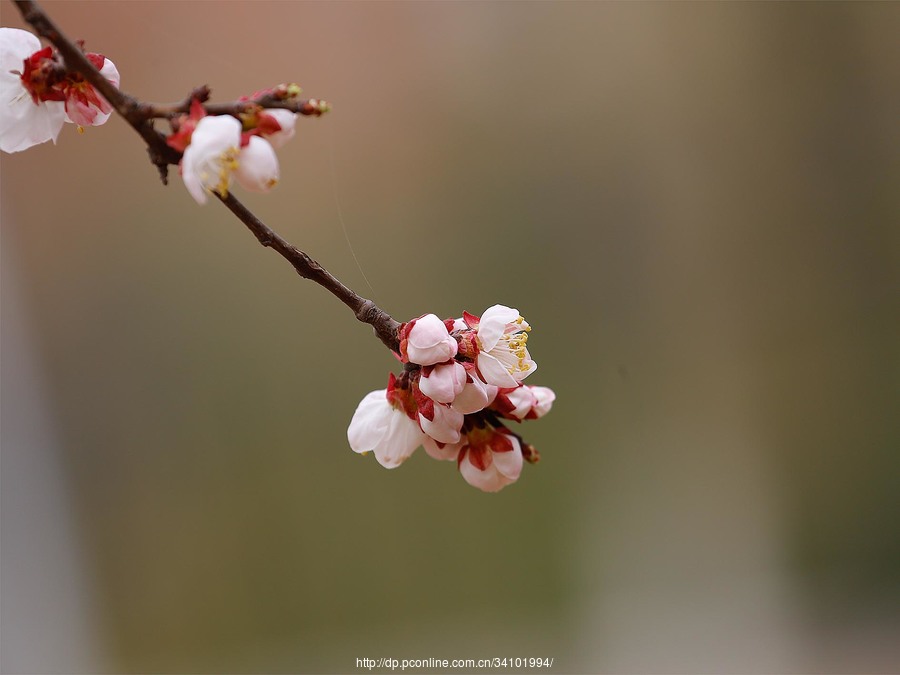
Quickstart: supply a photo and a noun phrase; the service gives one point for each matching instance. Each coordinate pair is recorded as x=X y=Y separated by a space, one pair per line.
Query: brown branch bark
x=309 y=107
x=365 y=310
x=139 y=114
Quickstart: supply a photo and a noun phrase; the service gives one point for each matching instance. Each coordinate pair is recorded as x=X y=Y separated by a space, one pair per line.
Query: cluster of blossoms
x=219 y=148
x=39 y=95
x=462 y=378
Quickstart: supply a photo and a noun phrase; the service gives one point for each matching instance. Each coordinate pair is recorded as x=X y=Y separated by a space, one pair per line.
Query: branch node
x=367 y=312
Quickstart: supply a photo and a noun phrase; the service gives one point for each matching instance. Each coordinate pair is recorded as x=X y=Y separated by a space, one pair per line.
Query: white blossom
x=212 y=157
x=23 y=123
x=379 y=427
x=503 y=358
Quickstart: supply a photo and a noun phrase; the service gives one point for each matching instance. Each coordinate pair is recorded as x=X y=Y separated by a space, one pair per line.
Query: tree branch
x=139 y=114
x=128 y=107
x=309 y=107
x=365 y=310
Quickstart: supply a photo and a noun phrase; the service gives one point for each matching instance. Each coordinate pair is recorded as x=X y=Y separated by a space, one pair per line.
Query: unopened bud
x=530 y=453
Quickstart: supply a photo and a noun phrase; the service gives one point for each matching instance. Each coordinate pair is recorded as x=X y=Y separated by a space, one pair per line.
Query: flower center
x=515 y=342
x=227 y=163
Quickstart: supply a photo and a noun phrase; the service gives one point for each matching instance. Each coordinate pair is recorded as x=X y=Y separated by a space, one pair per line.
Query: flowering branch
x=128 y=107
x=281 y=97
x=462 y=381
x=139 y=114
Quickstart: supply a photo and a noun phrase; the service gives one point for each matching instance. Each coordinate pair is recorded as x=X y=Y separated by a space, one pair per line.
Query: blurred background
x=695 y=205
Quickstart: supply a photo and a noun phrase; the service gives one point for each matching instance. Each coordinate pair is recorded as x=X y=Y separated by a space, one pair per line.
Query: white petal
x=474 y=397
x=445 y=426
x=493 y=324
x=522 y=400
x=257 y=169
x=494 y=372
x=510 y=463
x=402 y=438
x=544 y=398
x=16 y=45
x=22 y=122
x=370 y=422
x=111 y=73
x=529 y=367
x=202 y=168
x=450 y=452
x=489 y=480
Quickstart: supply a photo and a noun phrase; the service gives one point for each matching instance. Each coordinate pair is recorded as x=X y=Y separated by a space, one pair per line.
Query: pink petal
x=447 y=452
x=489 y=480
x=444 y=382
x=510 y=463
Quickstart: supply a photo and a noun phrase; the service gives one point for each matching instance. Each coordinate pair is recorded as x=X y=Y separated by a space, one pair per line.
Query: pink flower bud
x=426 y=341
x=441 y=422
x=490 y=459
x=443 y=382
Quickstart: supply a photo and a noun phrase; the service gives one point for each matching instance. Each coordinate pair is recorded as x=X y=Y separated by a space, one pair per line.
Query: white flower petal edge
x=287 y=121
x=544 y=398
x=211 y=157
x=22 y=122
x=493 y=324
x=523 y=400
x=475 y=396
x=380 y=428
x=448 y=453
x=257 y=169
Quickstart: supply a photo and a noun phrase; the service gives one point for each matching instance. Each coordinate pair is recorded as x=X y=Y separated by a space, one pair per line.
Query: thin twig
x=309 y=107
x=138 y=115
x=365 y=310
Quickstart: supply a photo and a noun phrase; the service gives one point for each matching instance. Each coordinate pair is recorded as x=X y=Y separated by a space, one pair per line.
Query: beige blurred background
x=695 y=205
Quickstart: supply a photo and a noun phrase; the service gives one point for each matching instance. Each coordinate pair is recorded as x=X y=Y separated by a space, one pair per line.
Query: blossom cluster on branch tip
x=462 y=380
x=220 y=148
x=38 y=95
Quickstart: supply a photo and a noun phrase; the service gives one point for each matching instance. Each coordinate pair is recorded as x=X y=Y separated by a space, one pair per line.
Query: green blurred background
x=695 y=205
